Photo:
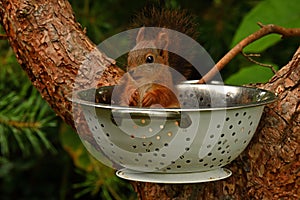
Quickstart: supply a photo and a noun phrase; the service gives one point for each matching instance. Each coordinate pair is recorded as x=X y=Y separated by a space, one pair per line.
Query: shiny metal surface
x=193 y=97
x=213 y=126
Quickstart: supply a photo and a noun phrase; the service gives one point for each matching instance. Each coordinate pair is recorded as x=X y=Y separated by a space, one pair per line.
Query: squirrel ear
x=140 y=35
x=162 y=40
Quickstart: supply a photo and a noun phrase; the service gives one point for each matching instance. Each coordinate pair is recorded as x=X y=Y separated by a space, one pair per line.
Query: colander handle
x=183 y=119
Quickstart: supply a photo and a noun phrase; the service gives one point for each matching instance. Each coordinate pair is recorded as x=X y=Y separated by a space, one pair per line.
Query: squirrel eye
x=149 y=59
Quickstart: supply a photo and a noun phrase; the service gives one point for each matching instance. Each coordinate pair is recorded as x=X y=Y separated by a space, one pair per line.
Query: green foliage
x=99 y=180
x=24 y=116
x=283 y=13
x=251 y=74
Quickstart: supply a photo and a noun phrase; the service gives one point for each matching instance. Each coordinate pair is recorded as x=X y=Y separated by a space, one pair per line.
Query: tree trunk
x=50 y=46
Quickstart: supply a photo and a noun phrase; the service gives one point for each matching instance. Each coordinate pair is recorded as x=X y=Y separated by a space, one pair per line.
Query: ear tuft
x=162 y=40
x=141 y=34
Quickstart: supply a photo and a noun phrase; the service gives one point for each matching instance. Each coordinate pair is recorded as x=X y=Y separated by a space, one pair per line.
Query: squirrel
x=149 y=81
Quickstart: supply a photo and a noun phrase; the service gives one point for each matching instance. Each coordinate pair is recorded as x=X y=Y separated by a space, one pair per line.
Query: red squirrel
x=149 y=81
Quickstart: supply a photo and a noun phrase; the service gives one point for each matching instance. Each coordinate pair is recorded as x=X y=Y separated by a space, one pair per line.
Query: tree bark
x=50 y=46
x=270 y=166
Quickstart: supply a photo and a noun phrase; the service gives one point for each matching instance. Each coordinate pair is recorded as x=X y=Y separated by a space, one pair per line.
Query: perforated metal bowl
x=213 y=126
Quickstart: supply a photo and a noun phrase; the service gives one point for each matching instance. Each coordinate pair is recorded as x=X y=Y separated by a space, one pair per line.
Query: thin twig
x=249 y=57
x=3 y=37
x=265 y=30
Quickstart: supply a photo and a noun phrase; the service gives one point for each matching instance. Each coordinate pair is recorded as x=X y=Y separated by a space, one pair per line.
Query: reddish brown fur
x=151 y=85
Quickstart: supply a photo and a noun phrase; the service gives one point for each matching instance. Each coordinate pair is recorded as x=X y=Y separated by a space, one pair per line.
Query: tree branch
x=3 y=37
x=265 y=30
x=249 y=57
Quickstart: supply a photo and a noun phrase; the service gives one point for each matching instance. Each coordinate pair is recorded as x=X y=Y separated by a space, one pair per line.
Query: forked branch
x=265 y=30
x=249 y=57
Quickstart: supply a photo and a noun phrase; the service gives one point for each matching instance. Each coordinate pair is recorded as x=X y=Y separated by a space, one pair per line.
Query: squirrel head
x=149 y=50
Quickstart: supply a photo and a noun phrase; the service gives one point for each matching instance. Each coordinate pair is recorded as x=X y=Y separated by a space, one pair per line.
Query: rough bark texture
x=270 y=167
x=50 y=46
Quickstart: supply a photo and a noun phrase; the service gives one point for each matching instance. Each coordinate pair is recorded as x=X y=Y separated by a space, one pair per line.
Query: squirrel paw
x=161 y=96
x=134 y=99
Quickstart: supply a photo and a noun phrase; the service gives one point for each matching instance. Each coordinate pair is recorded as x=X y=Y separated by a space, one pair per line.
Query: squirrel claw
x=134 y=99
x=148 y=100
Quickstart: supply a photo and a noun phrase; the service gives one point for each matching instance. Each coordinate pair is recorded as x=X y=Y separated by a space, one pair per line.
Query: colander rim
x=270 y=97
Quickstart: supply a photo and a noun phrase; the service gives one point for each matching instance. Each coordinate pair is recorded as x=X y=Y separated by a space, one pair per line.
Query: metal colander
x=213 y=126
